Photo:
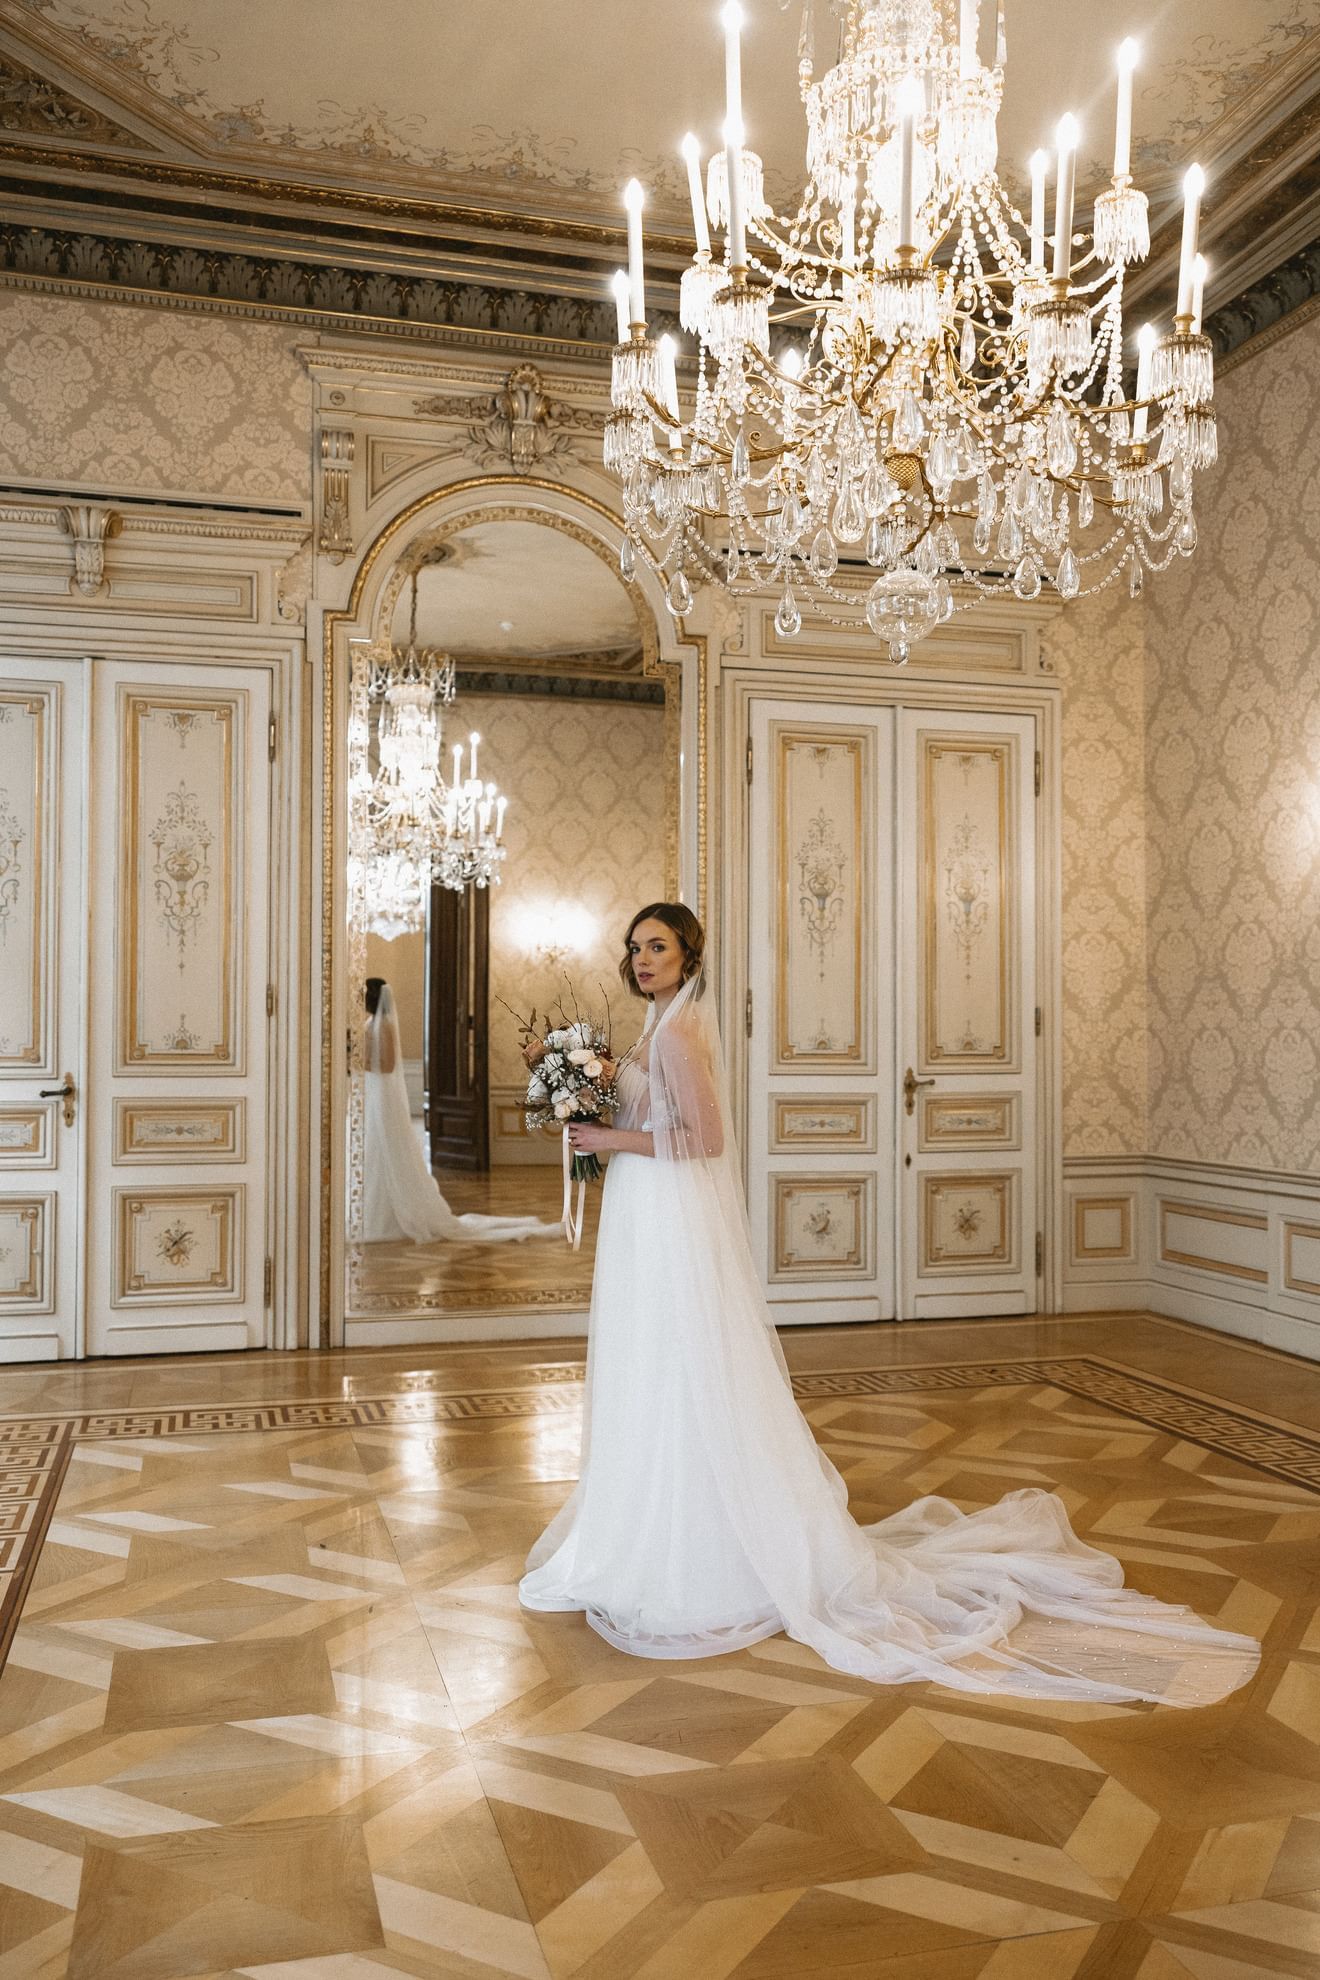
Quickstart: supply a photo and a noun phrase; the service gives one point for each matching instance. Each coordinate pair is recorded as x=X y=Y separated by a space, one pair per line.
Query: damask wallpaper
x=122 y=400
x=585 y=832
x=1233 y=788
x=1097 y=649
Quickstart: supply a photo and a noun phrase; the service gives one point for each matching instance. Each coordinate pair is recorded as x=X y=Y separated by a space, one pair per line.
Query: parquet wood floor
x=271 y=1708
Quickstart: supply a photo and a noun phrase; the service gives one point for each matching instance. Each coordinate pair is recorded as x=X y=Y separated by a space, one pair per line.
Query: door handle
x=910 y=1085
x=65 y=1093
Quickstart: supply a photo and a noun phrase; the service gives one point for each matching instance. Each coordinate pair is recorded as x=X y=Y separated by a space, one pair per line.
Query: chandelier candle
x=619 y=284
x=1066 y=138
x=892 y=373
x=1039 y=166
x=692 y=159
x=1200 y=269
x=909 y=107
x=1193 y=187
x=634 y=199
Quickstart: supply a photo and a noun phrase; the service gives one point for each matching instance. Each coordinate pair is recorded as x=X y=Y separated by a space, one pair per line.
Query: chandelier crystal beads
x=898 y=376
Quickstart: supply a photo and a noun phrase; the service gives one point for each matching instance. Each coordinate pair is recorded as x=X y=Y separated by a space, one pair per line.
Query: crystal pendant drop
x=1060 y=444
x=967 y=345
x=943 y=601
x=1180 y=482
x=740 y=465
x=908 y=424
x=877 y=542
x=1026 y=578
x=849 y=516
x=788 y=619
x=1068 y=578
x=946 y=544
x=1185 y=535
x=981 y=536
x=877 y=490
x=986 y=499
x=1010 y=538
x=627 y=558
x=824 y=558
x=1085 y=506
x=793 y=520
x=713 y=487
x=679 y=595
x=1134 y=577
x=925 y=557
x=732 y=564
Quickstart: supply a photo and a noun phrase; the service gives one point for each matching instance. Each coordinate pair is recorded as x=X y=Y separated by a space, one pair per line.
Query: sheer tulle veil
x=706 y=1516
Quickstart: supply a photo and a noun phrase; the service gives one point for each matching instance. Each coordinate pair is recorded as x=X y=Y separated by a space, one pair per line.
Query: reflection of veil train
x=400 y=1197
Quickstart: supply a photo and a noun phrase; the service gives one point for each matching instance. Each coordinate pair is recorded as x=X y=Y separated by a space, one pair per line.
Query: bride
x=706 y=1517
x=400 y=1198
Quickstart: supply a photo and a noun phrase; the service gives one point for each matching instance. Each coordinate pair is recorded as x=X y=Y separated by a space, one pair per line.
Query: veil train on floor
x=400 y=1198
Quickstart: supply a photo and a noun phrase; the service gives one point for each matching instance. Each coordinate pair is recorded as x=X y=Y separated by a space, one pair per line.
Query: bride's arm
x=684 y=1100
x=591 y=1138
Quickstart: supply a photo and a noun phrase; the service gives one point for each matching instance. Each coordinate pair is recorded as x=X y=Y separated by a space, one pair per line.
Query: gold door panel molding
x=823 y=1227
x=177 y=1242
x=1102 y=1228
x=824 y=800
x=29 y=728
x=27 y=1137
x=968 y=1223
x=181 y=879
x=1301 y=1256
x=180 y=1131
x=27 y=1254
x=830 y=1124
x=968 y=1120
x=1186 y=1239
x=969 y=908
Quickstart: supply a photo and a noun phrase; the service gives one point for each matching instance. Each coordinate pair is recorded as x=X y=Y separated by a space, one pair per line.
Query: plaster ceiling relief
x=518 y=591
x=548 y=105
x=31 y=103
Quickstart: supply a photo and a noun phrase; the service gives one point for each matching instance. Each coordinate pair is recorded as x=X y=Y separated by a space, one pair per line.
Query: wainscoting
x=1233 y=1249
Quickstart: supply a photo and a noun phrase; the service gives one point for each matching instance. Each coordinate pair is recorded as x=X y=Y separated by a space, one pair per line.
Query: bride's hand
x=589 y=1138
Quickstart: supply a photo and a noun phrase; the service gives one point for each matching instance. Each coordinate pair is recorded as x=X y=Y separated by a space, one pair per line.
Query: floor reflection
x=539 y=1272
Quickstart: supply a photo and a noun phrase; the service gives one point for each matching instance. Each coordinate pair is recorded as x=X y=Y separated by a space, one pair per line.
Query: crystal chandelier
x=940 y=401
x=410 y=829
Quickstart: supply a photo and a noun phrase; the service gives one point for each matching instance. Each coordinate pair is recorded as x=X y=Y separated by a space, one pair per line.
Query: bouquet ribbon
x=572 y=1218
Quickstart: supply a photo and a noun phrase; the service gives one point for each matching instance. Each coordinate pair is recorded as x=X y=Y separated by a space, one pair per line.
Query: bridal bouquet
x=567 y=1082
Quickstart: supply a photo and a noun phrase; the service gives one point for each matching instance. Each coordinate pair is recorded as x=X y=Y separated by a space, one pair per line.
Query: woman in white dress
x=400 y=1198
x=706 y=1517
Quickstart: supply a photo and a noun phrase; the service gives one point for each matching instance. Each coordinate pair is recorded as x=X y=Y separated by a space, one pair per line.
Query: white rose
x=563 y=1108
x=581 y=1057
x=594 y=1068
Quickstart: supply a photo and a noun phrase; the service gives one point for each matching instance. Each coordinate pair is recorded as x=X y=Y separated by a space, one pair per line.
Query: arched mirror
x=507 y=650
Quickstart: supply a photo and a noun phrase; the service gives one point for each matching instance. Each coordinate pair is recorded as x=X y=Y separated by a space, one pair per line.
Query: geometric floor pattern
x=271 y=1709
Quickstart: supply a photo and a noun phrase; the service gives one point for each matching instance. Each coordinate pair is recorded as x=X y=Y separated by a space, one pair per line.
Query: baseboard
x=449 y=1329
x=1237 y=1250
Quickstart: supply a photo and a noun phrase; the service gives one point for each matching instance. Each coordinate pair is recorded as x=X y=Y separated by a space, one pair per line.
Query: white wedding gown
x=400 y=1196
x=706 y=1517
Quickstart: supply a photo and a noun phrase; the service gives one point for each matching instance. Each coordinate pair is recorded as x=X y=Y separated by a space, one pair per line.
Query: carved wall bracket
x=89 y=528
x=335 y=539
x=519 y=426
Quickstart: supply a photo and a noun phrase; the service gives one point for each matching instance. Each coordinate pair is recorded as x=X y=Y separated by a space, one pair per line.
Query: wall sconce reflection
x=550 y=933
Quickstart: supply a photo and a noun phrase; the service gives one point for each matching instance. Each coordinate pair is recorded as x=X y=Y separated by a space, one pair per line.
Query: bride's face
x=657 y=959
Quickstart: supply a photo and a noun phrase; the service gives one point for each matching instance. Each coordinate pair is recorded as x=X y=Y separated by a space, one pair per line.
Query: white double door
x=892 y=1011
x=134 y=962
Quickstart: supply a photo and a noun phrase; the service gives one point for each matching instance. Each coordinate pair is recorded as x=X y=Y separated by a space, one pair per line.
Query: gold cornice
x=294 y=192
x=332 y=624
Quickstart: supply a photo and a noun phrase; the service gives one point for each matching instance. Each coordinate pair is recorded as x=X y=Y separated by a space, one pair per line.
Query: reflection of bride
x=400 y=1197
x=706 y=1517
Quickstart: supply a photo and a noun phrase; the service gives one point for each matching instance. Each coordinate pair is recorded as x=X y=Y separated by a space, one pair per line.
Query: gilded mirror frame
x=669 y=653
